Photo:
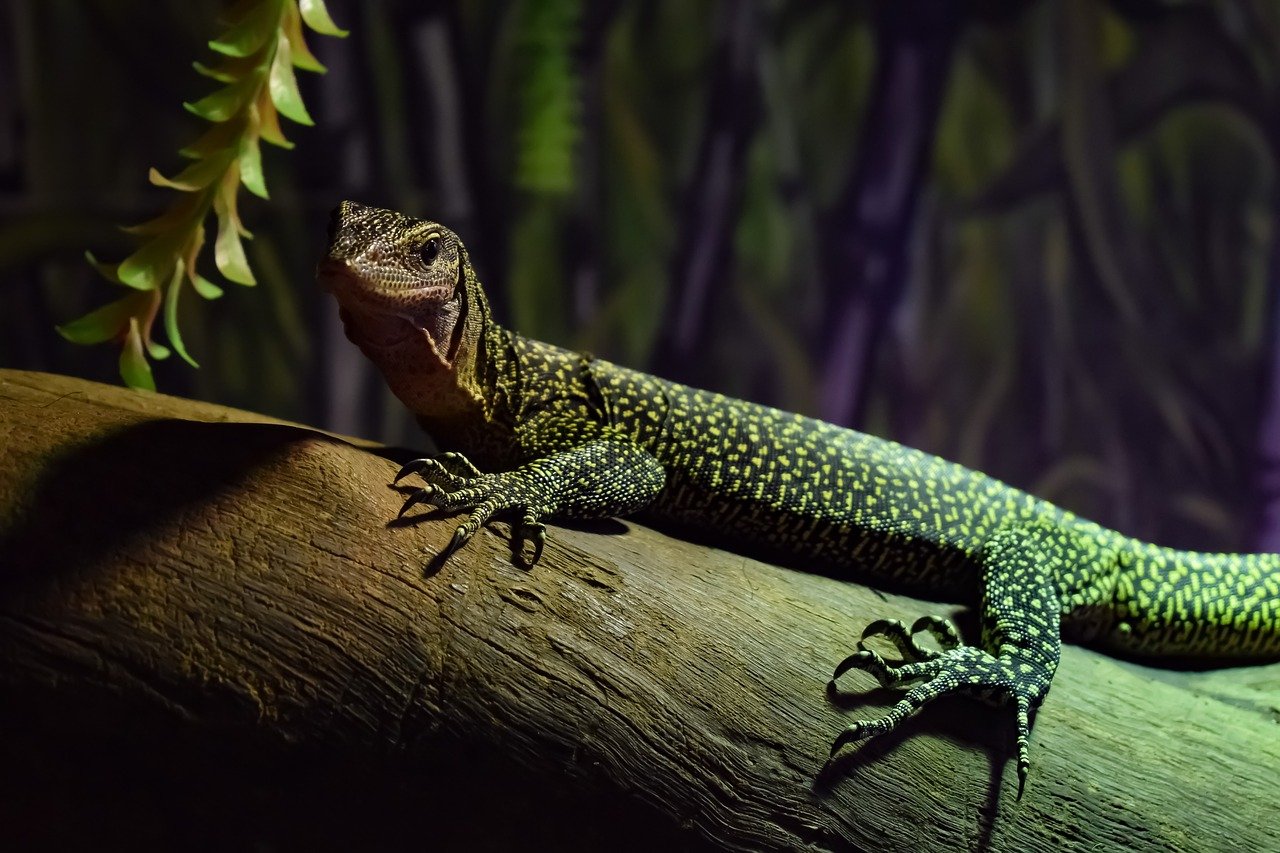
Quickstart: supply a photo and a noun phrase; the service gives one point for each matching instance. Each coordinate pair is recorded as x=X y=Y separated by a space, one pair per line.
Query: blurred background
x=1033 y=237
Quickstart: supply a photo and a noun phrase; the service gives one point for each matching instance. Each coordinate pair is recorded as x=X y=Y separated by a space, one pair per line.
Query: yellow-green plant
x=260 y=48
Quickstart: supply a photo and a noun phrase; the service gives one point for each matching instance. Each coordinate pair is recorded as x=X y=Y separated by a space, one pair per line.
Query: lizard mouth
x=387 y=315
x=343 y=278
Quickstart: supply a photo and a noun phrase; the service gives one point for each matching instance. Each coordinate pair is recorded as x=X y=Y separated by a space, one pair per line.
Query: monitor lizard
x=532 y=431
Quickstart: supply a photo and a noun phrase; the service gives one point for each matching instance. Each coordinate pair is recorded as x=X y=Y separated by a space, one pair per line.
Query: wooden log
x=211 y=635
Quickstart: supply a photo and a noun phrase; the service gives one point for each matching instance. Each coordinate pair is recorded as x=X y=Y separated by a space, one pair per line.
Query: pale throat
x=434 y=384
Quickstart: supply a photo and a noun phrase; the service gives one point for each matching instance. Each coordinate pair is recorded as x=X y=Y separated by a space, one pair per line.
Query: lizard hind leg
x=1023 y=570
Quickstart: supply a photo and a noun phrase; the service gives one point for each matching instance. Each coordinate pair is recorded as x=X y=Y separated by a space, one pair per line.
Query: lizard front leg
x=605 y=476
x=1025 y=573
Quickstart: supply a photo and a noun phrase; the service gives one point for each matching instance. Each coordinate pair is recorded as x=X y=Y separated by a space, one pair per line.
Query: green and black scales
x=560 y=433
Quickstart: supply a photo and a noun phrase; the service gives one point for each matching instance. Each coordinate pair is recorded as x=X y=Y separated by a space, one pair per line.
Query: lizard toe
x=458 y=464
x=433 y=472
x=417 y=496
x=531 y=530
x=943 y=632
x=408 y=468
x=897 y=633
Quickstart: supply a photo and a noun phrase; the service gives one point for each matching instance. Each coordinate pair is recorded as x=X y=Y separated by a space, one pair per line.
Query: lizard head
x=400 y=282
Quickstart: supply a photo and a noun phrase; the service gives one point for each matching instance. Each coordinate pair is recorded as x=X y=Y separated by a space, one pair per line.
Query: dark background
x=1033 y=237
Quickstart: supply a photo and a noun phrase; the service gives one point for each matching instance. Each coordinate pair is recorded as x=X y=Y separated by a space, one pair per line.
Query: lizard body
x=534 y=431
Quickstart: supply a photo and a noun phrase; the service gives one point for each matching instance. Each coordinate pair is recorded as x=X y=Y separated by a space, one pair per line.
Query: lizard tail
x=1196 y=605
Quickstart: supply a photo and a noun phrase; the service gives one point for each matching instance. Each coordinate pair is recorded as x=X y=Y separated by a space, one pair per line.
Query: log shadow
x=960 y=719
x=94 y=499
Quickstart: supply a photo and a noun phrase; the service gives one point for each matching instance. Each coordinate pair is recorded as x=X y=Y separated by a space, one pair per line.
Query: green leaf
x=230 y=70
x=228 y=251
x=252 y=31
x=198 y=175
x=204 y=287
x=284 y=86
x=302 y=56
x=227 y=101
x=105 y=323
x=134 y=369
x=228 y=254
x=317 y=17
x=219 y=74
x=171 y=315
x=258 y=86
x=146 y=268
x=213 y=140
x=107 y=271
x=269 y=122
x=251 y=166
x=185 y=211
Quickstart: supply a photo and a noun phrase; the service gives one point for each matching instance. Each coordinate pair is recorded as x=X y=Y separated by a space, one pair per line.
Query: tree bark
x=211 y=636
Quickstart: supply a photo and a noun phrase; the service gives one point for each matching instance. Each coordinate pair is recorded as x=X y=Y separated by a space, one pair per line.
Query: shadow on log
x=211 y=637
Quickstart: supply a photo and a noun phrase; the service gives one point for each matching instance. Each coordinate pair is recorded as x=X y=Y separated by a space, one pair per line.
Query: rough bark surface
x=210 y=636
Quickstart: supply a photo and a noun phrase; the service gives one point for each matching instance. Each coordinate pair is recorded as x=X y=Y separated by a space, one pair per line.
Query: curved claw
x=904 y=638
x=532 y=529
x=460 y=537
x=895 y=632
x=881 y=626
x=849 y=735
x=942 y=631
x=414 y=467
x=857 y=659
x=419 y=496
x=539 y=540
x=1018 y=680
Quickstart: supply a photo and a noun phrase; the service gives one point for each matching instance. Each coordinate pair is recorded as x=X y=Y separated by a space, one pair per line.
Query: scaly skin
x=535 y=431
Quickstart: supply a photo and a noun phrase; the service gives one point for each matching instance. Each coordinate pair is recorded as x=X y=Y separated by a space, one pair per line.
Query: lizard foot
x=482 y=496
x=956 y=669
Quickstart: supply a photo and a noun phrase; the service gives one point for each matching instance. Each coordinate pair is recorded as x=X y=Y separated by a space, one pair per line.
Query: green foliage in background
x=1088 y=317
x=549 y=106
x=261 y=47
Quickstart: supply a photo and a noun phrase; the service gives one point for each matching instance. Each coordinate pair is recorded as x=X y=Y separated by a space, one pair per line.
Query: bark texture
x=210 y=636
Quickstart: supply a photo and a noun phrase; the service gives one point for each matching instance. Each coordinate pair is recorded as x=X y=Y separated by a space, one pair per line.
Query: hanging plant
x=261 y=47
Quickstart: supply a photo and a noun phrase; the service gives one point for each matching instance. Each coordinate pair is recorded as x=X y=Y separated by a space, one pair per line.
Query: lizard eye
x=430 y=251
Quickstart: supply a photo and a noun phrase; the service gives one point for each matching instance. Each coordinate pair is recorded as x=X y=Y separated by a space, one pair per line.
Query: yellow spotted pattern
x=819 y=496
